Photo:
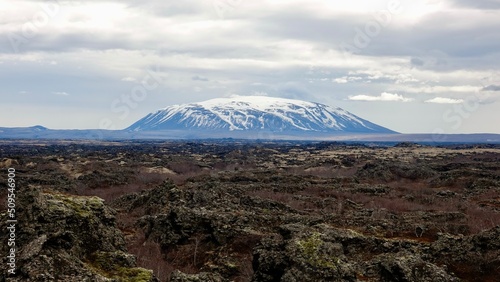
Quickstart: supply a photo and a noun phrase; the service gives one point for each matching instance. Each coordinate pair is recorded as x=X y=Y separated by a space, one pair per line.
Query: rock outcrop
x=68 y=238
x=287 y=245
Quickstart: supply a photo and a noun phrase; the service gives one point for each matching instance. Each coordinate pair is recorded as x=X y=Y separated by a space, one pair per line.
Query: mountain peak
x=39 y=128
x=256 y=102
x=257 y=113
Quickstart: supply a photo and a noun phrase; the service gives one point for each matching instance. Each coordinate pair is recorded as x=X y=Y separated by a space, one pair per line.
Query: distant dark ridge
x=40 y=132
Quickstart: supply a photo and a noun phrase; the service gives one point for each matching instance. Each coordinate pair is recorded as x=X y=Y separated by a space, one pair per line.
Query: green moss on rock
x=310 y=248
x=83 y=206
x=118 y=267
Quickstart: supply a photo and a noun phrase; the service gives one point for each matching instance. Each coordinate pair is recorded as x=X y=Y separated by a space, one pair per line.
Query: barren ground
x=216 y=207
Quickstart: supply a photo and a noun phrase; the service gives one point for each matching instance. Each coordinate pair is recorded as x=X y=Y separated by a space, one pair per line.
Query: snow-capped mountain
x=256 y=113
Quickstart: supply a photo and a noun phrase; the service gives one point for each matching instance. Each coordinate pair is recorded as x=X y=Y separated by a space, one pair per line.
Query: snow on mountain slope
x=253 y=113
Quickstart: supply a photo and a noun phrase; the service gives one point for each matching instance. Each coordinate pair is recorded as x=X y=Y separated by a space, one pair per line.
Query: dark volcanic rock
x=304 y=256
x=410 y=267
x=178 y=276
x=388 y=171
x=324 y=253
x=264 y=211
x=69 y=238
x=290 y=246
x=475 y=257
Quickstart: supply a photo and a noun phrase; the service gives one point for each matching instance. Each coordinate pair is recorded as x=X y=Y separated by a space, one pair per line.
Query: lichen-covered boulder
x=61 y=237
x=301 y=254
x=178 y=276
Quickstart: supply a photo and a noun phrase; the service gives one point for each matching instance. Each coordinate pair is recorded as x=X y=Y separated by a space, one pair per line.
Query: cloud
x=128 y=78
x=386 y=97
x=464 y=89
x=483 y=4
x=368 y=76
x=61 y=93
x=442 y=100
x=491 y=88
x=346 y=79
x=252 y=46
x=294 y=90
x=257 y=93
x=417 y=62
x=199 y=78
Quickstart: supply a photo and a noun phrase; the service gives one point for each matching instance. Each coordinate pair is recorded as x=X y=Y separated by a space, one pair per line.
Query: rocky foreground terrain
x=262 y=211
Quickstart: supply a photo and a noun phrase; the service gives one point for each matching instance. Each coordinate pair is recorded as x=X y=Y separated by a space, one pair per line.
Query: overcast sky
x=412 y=66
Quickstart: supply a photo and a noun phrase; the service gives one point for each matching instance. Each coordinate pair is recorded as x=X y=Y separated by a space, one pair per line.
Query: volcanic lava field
x=229 y=210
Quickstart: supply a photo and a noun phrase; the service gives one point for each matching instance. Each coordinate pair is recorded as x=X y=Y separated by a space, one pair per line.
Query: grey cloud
x=199 y=78
x=491 y=88
x=299 y=24
x=480 y=4
x=170 y=8
x=258 y=33
x=474 y=41
x=159 y=8
x=417 y=62
x=66 y=42
x=441 y=46
x=242 y=54
x=294 y=90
